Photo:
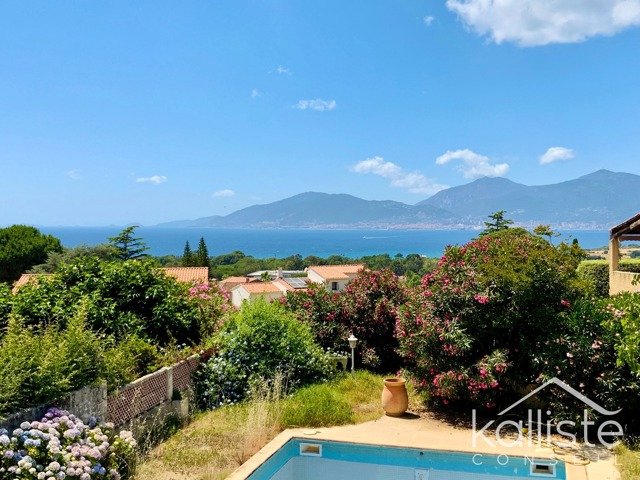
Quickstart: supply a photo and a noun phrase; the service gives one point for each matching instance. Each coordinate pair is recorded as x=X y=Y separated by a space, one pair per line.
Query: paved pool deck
x=430 y=433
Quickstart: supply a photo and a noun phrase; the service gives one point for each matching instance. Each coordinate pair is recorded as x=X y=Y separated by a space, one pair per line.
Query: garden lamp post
x=352 y=343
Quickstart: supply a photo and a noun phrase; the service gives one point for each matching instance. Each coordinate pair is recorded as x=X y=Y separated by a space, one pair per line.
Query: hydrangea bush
x=61 y=446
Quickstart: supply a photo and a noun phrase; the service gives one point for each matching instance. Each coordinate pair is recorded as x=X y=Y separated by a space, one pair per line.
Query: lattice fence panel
x=182 y=373
x=137 y=397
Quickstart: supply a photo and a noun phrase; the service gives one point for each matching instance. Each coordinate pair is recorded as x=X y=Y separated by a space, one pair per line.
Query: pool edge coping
x=338 y=434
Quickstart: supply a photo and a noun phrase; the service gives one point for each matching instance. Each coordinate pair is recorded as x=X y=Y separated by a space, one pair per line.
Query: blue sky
x=118 y=112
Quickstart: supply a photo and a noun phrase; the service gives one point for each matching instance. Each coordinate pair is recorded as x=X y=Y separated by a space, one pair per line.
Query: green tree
x=128 y=246
x=497 y=223
x=202 y=254
x=545 y=231
x=188 y=259
x=22 y=247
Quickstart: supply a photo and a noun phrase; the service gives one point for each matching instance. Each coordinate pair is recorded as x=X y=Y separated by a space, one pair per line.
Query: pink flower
x=569 y=355
x=483 y=299
x=565 y=303
x=596 y=344
x=483 y=372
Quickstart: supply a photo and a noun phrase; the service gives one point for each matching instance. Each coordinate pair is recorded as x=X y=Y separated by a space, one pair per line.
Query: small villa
x=620 y=281
x=334 y=277
x=250 y=291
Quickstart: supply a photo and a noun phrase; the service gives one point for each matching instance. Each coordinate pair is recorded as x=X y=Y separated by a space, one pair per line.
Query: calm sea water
x=282 y=243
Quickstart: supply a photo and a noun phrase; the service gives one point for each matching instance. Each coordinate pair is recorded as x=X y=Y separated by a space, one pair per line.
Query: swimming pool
x=304 y=459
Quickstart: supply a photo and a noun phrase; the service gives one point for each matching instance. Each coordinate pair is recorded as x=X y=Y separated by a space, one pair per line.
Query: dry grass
x=628 y=461
x=217 y=442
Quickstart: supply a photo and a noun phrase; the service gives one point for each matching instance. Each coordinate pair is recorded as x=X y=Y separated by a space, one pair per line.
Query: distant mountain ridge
x=594 y=201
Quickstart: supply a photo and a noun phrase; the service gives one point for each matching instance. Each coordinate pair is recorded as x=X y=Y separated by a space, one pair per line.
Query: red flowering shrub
x=468 y=333
x=367 y=308
x=214 y=306
x=369 y=311
x=321 y=310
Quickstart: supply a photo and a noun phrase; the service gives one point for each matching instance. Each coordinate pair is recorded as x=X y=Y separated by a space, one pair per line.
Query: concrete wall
x=315 y=278
x=85 y=403
x=622 y=282
x=239 y=295
x=619 y=281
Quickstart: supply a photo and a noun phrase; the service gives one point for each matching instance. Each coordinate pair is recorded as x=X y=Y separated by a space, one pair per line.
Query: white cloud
x=316 y=104
x=414 y=182
x=428 y=20
x=155 y=179
x=556 y=154
x=255 y=93
x=74 y=175
x=224 y=193
x=283 y=70
x=540 y=22
x=473 y=164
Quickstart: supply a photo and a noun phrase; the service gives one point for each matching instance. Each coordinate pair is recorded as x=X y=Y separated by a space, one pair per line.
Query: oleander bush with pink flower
x=469 y=333
x=61 y=446
x=367 y=308
x=582 y=353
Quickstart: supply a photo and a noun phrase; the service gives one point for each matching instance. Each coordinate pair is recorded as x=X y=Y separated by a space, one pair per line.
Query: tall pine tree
x=202 y=254
x=127 y=245
x=187 y=256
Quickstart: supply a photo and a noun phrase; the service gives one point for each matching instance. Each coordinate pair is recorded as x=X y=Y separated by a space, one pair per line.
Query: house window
x=334 y=286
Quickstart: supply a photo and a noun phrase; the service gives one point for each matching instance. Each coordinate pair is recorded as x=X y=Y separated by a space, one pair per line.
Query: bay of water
x=282 y=243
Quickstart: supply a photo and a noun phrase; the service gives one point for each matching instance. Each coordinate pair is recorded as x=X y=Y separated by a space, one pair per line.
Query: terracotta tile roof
x=260 y=287
x=337 y=272
x=188 y=274
x=27 y=278
x=230 y=283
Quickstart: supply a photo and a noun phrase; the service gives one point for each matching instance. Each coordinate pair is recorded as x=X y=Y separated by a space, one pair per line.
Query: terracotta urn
x=395 y=400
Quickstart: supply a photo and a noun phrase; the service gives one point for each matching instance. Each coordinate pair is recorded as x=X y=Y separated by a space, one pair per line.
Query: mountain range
x=594 y=201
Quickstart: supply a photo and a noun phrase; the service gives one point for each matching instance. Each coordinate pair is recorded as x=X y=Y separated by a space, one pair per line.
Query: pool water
x=304 y=459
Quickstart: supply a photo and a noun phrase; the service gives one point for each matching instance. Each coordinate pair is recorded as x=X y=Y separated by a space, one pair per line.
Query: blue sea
x=282 y=243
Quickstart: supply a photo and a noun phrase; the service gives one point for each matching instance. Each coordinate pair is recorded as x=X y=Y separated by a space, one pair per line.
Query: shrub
x=62 y=446
x=213 y=306
x=39 y=367
x=129 y=359
x=123 y=298
x=6 y=300
x=257 y=343
x=469 y=333
x=625 y=323
x=582 y=353
x=369 y=305
x=322 y=311
x=366 y=308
